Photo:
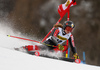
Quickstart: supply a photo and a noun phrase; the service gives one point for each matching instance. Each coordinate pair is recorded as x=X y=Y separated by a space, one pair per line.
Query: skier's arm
x=60 y=47
x=73 y=48
x=72 y=45
x=55 y=32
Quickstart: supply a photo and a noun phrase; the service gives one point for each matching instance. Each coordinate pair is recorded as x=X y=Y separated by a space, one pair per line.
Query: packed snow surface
x=15 y=60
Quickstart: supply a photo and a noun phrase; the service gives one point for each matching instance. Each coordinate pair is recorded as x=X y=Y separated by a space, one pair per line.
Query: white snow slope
x=15 y=60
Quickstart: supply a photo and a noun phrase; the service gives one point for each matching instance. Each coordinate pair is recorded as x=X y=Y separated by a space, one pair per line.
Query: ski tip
x=8 y=35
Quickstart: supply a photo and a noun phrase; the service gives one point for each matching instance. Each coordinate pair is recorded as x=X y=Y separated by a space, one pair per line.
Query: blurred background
x=35 y=18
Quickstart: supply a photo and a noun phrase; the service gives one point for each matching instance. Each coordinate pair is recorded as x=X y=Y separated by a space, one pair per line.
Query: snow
x=15 y=60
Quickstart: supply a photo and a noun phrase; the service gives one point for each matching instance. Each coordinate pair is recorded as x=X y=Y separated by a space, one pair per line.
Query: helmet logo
x=72 y=25
x=66 y=23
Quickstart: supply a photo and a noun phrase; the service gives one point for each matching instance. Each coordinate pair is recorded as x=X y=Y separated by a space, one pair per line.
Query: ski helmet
x=69 y=24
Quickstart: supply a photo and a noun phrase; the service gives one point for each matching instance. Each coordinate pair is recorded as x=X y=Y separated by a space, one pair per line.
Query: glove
x=60 y=47
x=75 y=55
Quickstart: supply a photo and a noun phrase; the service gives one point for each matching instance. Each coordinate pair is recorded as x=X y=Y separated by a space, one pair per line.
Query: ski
x=59 y=58
x=38 y=53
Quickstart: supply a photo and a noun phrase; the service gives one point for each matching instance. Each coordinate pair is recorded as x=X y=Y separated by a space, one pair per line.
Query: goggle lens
x=68 y=28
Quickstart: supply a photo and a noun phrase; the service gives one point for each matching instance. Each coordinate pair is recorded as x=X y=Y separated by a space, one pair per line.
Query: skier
x=60 y=38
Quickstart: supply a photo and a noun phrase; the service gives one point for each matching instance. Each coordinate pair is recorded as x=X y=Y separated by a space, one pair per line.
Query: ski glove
x=60 y=47
x=75 y=55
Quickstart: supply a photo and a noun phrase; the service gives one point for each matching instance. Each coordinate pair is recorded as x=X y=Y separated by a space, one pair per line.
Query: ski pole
x=23 y=38
x=31 y=40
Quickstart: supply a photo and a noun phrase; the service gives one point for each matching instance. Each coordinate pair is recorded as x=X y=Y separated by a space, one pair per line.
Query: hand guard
x=75 y=55
x=60 y=47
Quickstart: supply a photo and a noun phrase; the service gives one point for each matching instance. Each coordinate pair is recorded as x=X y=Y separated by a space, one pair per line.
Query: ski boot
x=31 y=49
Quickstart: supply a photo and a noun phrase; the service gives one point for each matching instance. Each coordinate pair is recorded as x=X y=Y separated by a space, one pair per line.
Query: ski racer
x=59 y=40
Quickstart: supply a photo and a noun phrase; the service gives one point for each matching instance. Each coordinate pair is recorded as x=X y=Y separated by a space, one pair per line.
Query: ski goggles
x=68 y=28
